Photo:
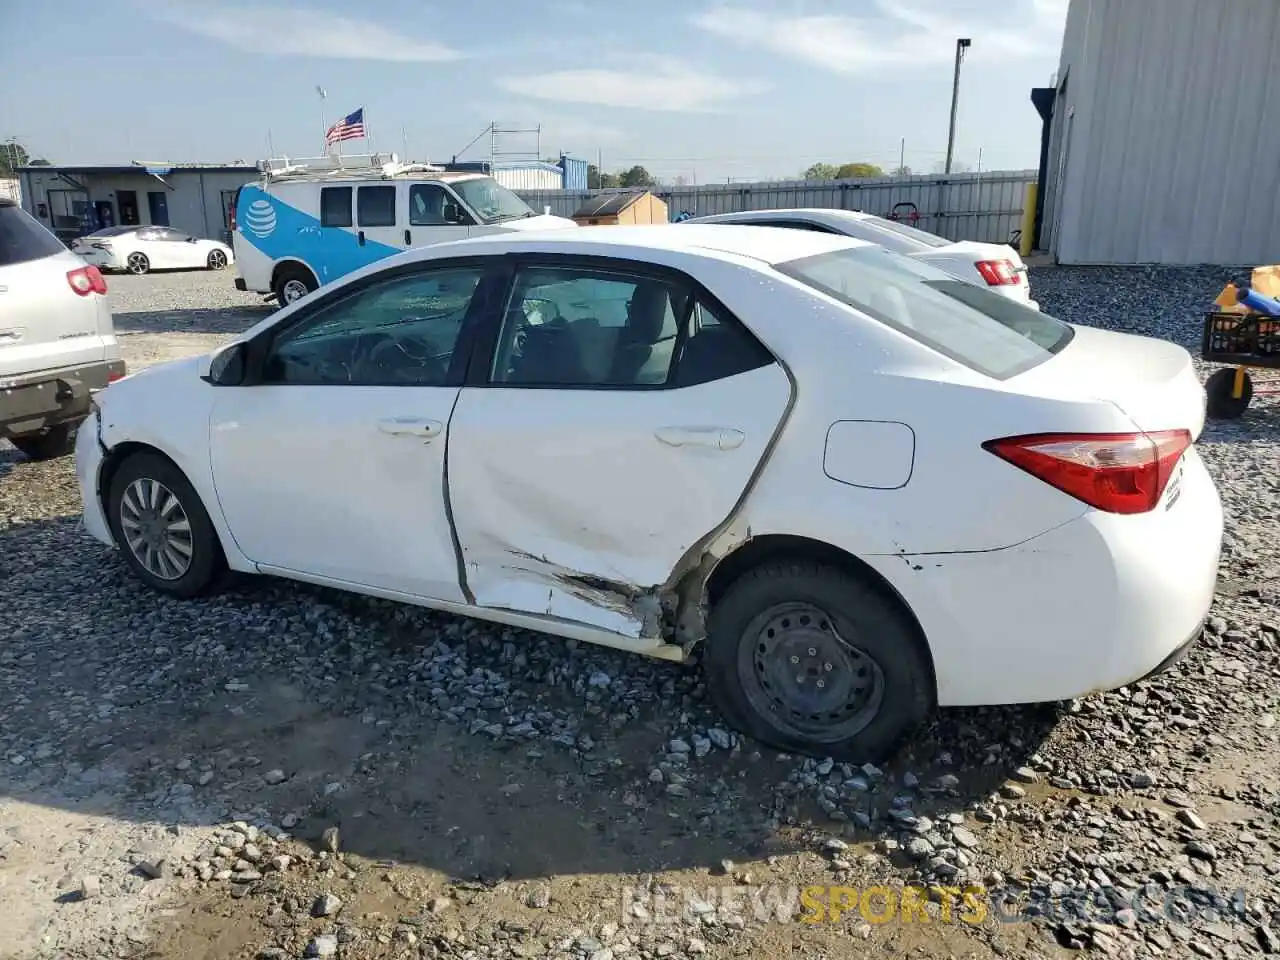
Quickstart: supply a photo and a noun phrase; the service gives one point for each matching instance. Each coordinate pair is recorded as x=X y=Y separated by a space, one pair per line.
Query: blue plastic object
x=1258 y=303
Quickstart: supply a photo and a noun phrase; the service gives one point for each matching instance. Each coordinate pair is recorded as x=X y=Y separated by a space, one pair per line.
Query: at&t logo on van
x=260 y=218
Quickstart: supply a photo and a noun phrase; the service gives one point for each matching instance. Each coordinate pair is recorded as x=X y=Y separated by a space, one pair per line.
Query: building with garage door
x=191 y=197
x=1162 y=134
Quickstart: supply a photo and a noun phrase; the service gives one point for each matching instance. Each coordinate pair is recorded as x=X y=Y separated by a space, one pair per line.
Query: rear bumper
x=1097 y=603
x=32 y=402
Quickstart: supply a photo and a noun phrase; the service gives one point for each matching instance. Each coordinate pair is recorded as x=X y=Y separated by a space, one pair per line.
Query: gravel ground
x=282 y=771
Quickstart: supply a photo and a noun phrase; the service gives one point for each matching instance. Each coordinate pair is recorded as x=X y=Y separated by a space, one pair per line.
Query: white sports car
x=142 y=249
x=862 y=487
x=995 y=266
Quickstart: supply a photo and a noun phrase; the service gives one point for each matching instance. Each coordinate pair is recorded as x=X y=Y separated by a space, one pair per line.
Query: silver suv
x=57 y=342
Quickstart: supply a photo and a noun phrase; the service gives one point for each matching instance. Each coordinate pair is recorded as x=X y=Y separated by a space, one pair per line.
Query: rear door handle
x=408 y=238
x=717 y=438
x=410 y=427
x=360 y=238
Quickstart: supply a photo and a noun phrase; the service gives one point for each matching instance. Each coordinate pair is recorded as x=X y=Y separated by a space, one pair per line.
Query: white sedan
x=861 y=487
x=142 y=249
x=996 y=266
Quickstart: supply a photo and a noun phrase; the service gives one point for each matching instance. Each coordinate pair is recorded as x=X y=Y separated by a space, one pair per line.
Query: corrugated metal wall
x=984 y=206
x=11 y=189
x=543 y=176
x=1169 y=149
x=575 y=173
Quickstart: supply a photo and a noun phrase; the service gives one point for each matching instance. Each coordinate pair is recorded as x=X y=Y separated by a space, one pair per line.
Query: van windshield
x=984 y=331
x=491 y=200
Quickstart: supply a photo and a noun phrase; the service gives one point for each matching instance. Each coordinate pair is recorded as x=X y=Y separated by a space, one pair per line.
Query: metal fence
x=966 y=206
x=10 y=189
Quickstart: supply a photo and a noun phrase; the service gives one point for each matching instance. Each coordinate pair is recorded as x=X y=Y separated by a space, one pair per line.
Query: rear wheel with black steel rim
x=809 y=659
x=162 y=528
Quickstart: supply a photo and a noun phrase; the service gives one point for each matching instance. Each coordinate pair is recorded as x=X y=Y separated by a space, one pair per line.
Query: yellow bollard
x=1237 y=384
x=1028 y=219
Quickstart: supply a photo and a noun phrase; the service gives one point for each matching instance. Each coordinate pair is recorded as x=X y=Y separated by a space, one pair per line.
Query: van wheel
x=292 y=284
x=138 y=263
x=808 y=659
x=56 y=441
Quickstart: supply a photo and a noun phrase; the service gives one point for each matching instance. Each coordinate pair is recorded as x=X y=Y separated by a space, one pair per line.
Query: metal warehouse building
x=1163 y=134
x=192 y=197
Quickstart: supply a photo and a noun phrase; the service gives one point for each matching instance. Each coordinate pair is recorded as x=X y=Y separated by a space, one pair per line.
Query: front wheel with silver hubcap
x=161 y=526
x=811 y=659
x=138 y=263
x=217 y=259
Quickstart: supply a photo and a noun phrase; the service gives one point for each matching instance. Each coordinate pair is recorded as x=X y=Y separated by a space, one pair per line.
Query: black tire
x=138 y=263
x=56 y=441
x=207 y=561
x=1220 y=386
x=217 y=260
x=285 y=281
x=886 y=648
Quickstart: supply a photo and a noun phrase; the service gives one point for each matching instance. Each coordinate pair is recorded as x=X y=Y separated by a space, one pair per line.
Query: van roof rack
x=385 y=165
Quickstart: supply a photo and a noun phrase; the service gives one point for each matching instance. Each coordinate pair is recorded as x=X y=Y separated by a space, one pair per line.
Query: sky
x=703 y=90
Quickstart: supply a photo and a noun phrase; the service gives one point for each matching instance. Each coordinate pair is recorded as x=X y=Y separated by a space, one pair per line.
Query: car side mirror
x=225 y=367
x=453 y=214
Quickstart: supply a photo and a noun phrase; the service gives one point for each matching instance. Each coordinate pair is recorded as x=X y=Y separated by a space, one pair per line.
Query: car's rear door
x=44 y=323
x=618 y=421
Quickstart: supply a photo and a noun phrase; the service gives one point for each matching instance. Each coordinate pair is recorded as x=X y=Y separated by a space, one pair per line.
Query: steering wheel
x=388 y=356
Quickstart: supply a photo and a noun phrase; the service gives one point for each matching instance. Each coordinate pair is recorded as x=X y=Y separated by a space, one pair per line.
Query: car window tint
x=335 y=206
x=982 y=330
x=584 y=327
x=717 y=347
x=23 y=238
x=427 y=205
x=376 y=206
x=401 y=332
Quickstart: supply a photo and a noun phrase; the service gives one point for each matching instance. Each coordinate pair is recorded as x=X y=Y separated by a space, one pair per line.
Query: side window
x=376 y=206
x=173 y=236
x=150 y=233
x=568 y=326
x=717 y=347
x=335 y=207
x=427 y=203
x=401 y=332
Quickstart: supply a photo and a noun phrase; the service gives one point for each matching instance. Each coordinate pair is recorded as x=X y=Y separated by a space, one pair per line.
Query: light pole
x=961 y=46
x=323 y=129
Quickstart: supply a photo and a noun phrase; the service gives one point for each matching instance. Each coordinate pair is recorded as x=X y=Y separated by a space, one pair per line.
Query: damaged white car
x=861 y=487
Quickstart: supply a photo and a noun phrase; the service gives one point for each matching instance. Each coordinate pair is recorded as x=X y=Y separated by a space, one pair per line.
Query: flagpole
x=324 y=129
x=368 y=140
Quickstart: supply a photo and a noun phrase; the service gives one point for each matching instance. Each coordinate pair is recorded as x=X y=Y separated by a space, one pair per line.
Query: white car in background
x=143 y=249
x=995 y=266
x=862 y=487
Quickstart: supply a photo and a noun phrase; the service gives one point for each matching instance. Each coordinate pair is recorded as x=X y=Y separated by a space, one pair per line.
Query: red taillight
x=998 y=273
x=114 y=375
x=1115 y=472
x=87 y=280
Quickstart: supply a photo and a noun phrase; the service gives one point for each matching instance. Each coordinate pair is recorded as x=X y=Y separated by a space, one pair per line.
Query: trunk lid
x=1154 y=382
x=44 y=324
x=971 y=251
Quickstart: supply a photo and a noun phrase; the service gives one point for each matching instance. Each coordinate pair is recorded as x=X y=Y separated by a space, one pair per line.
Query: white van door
x=433 y=215
x=378 y=219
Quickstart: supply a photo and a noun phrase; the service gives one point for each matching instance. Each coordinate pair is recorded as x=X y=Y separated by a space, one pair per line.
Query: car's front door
x=329 y=461
x=621 y=419
x=170 y=250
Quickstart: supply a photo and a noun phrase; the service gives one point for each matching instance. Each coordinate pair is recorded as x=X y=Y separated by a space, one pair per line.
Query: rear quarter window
x=23 y=238
x=981 y=330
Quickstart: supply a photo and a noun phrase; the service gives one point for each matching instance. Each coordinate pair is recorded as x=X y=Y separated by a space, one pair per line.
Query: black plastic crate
x=1248 y=339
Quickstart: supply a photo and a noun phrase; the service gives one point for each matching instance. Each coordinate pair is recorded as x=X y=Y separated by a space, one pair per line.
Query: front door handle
x=717 y=438
x=360 y=238
x=408 y=238
x=410 y=427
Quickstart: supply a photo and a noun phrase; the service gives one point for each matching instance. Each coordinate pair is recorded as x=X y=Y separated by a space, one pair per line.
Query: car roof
x=785 y=213
x=768 y=244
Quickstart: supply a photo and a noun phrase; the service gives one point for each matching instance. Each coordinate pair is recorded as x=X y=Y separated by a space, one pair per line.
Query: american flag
x=350 y=127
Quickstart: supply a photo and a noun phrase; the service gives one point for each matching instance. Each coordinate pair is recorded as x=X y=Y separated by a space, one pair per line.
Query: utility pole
x=961 y=46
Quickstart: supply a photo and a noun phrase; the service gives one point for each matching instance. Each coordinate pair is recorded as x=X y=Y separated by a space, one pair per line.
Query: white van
x=304 y=224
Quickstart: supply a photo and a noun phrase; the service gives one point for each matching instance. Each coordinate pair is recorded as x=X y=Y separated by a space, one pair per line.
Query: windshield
x=491 y=200
x=986 y=332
